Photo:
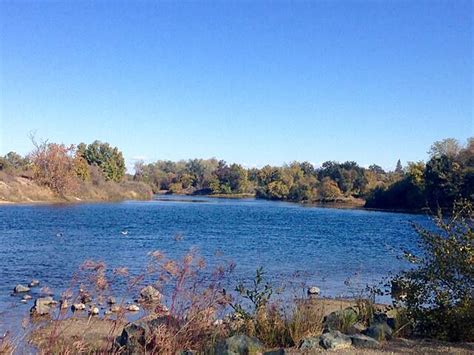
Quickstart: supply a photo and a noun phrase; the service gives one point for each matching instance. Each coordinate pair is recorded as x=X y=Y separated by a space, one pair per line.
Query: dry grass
x=77 y=335
x=306 y=320
x=193 y=301
x=7 y=345
x=18 y=189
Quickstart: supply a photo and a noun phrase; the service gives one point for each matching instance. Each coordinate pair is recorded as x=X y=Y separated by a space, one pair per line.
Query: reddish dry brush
x=191 y=305
x=7 y=345
x=195 y=301
x=53 y=166
x=89 y=285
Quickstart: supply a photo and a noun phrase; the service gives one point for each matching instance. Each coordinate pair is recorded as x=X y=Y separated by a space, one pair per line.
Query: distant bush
x=438 y=292
x=14 y=163
x=260 y=318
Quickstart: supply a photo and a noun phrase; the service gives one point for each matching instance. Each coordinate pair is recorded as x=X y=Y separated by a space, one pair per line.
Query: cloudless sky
x=253 y=82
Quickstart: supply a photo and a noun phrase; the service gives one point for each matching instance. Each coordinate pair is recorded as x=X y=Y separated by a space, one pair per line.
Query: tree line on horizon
x=448 y=175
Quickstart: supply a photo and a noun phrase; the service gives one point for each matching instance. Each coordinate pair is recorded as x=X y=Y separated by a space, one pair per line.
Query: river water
x=339 y=250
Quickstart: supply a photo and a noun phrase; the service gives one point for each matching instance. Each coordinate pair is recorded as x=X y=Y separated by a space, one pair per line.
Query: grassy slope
x=14 y=189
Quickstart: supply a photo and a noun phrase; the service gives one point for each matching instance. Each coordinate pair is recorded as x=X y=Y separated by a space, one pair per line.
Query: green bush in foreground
x=438 y=293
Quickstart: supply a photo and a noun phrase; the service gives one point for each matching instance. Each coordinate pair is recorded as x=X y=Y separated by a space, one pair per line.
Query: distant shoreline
x=357 y=204
x=342 y=204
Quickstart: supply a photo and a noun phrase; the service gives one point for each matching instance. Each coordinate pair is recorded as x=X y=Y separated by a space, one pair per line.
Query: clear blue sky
x=253 y=82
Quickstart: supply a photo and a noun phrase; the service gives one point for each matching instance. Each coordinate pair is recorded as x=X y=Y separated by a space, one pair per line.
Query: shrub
x=437 y=292
x=53 y=166
x=260 y=318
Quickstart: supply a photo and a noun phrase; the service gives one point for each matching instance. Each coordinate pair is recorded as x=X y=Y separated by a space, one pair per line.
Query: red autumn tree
x=53 y=166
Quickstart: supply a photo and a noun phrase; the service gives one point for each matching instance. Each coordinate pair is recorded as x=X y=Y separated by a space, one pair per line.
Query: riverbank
x=22 y=190
x=348 y=202
x=319 y=326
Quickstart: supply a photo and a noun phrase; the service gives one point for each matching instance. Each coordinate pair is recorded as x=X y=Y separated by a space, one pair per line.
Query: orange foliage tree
x=53 y=166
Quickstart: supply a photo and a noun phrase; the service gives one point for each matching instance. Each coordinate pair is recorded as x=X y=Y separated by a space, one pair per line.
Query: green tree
x=14 y=163
x=449 y=147
x=415 y=171
x=81 y=167
x=277 y=190
x=443 y=180
x=109 y=159
x=399 y=167
x=329 y=190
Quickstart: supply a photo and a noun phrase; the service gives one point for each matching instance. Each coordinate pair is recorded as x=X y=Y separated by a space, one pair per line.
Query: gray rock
x=94 y=311
x=21 y=288
x=115 y=308
x=239 y=344
x=78 y=307
x=48 y=300
x=27 y=297
x=335 y=340
x=134 y=335
x=42 y=306
x=85 y=297
x=34 y=283
x=309 y=343
x=336 y=319
x=150 y=294
x=392 y=323
x=356 y=328
x=314 y=291
x=363 y=341
x=379 y=331
x=133 y=308
x=280 y=351
x=380 y=318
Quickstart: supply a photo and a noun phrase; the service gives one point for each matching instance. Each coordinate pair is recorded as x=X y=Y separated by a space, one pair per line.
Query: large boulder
x=379 y=331
x=42 y=306
x=335 y=340
x=309 y=343
x=240 y=344
x=21 y=288
x=337 y=319
x=150 y=294
x=363 y=341
x=135 y=335
x=356 y=328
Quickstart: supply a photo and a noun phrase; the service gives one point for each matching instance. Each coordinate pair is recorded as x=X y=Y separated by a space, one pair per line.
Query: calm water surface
x=324 y=246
